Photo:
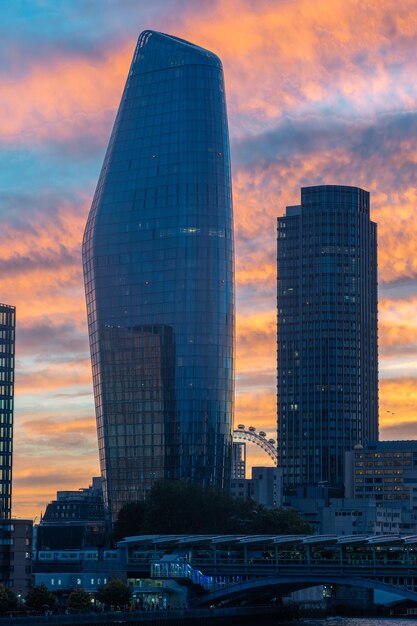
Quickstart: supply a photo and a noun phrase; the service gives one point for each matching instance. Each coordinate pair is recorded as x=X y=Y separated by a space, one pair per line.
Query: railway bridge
x=224 y=567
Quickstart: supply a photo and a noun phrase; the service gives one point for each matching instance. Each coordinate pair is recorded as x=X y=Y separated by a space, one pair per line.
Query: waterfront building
x=336 y=516
x=7 y=351
x=74 y=521
x=395 y=518
x=16 y=555
x=15 y=534
x=385 y=471
x=159 y=277
x=264 y=486
x=327 y=333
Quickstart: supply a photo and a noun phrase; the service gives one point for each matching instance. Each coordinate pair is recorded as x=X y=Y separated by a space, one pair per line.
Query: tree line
x=40 y=600
x=179 y=507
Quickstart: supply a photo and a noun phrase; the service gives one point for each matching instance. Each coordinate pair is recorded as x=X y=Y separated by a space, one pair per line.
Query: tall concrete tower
x=327 y=333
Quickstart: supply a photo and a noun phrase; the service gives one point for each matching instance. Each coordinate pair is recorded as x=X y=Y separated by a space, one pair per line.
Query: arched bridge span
x=283 y=584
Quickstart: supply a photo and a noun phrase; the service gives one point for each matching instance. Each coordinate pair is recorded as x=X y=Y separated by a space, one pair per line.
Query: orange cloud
x=284 y=62
x=398 y=326
x=68 y=97
x=57 y=376
x=256 y=342
x=256 y=409
x=84 y=425
x=397 y=401
x=51 y=453
x=34 y=489
x=41 y=261
x=277 y=58
x=296 y=51
x=397 y=233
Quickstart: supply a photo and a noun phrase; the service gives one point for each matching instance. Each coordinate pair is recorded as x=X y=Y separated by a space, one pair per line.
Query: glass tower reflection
x=327 y=333
x=159 y=277
x=7 y=349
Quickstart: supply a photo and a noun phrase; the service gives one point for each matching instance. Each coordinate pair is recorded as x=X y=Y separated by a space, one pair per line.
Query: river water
x=356 y=621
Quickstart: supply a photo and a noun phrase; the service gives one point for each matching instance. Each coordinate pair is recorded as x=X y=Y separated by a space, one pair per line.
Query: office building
x=264 y=487
x=15 y=534
x=241 y=488
x=395 y=518
x=16 y=555
x=385 y=471
x=159 y=277
x=7 y=349
x=238 y=460
x=335 y=516
x=74 y=521
x=327 y=334
x=267 y=486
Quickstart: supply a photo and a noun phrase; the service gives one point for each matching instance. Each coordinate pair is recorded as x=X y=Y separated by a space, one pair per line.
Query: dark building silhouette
x=159 y=277
x=15 y=534
x=16 y=554
x=7 y=350
x=327 y=333
x=74 y=521
x=238 y=460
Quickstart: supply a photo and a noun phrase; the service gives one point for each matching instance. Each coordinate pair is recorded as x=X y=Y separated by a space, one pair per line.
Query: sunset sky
x=318 y=92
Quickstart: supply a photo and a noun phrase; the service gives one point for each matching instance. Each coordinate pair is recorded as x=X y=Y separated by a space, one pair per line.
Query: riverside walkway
x=202 y=617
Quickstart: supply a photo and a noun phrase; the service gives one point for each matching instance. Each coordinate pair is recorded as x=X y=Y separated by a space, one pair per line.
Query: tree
x=79 y=600
x=129 y=519
x=39 y=598
x=8 y=600
x=115 y=593
x=178 y=507
x=282 y=521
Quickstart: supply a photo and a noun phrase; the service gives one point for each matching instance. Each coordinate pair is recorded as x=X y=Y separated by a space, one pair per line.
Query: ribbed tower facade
x=7 y=354
x=159 y=277
x=327 y=333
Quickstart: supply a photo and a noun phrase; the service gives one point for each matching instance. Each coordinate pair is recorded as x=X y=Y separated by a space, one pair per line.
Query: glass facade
x=7 y=347
x=159 y=277
x=327 y=333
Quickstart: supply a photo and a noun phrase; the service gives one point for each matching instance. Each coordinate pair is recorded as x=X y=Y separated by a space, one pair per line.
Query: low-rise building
x=241 y=488
x=16 y=554
x=337 y=516
x=383 y=470
x=265 y=486
x=74 y=521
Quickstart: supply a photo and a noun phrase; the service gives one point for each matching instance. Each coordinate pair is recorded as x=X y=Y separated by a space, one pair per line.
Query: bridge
x=224 y=567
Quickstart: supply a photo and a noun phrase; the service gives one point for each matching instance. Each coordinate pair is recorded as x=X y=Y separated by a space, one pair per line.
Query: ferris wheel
x=241 y=433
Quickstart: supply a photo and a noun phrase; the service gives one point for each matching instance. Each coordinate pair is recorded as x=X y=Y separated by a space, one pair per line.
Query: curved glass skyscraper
x=327 y=333
x=159 y=276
